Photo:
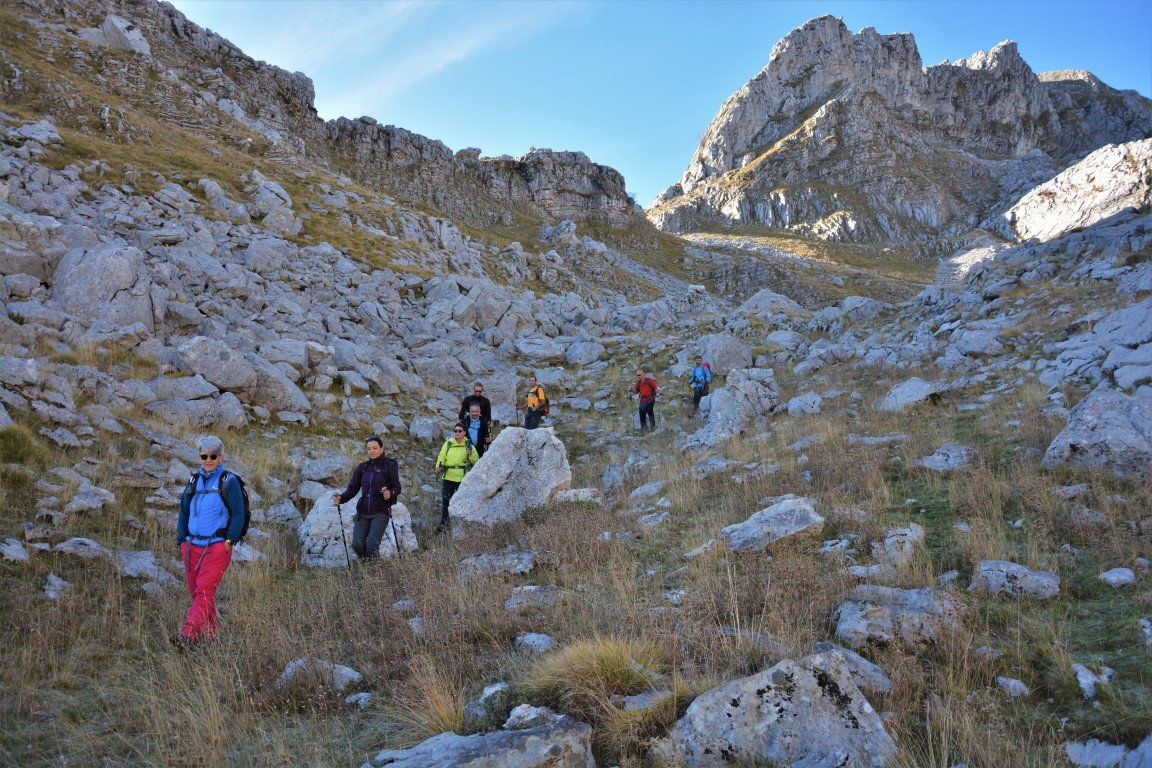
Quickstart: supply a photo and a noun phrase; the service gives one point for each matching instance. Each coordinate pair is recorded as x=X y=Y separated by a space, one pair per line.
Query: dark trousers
x=532 y=419
x=447 y=491
x=367 y=534
x=698 y=393
x=648 y=410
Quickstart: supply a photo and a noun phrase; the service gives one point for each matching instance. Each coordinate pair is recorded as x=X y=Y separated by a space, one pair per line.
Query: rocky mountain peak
x=840 y=132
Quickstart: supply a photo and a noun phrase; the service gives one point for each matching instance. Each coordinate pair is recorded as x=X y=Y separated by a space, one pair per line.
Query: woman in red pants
x=206 y=533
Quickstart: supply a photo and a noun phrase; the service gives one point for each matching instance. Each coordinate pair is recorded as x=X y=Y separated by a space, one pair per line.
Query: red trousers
x=203 y=569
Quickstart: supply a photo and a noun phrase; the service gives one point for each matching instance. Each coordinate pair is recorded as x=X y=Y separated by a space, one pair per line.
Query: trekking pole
x=395 y=536
x=343 y=537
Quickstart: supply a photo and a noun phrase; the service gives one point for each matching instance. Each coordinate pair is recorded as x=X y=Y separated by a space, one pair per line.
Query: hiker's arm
x=182 y=519
x=353 y=486
x=393 y=482
x=236 y=508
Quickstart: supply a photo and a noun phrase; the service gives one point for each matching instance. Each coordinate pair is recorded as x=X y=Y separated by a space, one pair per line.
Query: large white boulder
x=742 y=404
x=805 y=712
x=106 y=285
x=910 y=393
x=1109 y=430
x=521 y=469
x=322 y=545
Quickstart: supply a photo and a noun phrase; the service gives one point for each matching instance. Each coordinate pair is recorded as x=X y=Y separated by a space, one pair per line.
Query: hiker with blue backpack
x=377 y=481
x=699 y=380
x=214 y=515
x=456 y=457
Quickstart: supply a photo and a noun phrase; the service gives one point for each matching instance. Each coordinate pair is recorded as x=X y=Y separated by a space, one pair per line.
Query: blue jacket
x=701 y=375
x=204 y=518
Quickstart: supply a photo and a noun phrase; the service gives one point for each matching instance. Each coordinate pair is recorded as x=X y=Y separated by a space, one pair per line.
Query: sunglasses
x=206 y=456
x=458 y=430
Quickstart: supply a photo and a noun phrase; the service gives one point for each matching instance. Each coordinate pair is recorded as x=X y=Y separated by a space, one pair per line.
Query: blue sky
x=632 y=83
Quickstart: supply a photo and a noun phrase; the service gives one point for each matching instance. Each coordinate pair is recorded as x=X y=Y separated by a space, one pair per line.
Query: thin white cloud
x=320 y=33
x=512 y=22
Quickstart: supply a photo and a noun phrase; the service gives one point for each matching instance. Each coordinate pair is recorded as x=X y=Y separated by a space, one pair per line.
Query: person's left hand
x=227 y=544
x=386 y=493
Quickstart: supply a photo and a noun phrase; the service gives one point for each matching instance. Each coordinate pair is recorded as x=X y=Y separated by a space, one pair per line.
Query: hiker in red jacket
x=646 y=388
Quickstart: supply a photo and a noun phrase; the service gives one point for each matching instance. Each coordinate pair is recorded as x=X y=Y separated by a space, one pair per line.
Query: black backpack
x=191 y=488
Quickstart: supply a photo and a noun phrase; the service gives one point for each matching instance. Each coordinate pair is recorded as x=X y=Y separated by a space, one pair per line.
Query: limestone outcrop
x=848 y=137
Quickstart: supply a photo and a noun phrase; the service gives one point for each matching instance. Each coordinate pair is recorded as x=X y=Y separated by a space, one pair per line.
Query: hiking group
x=215 y=511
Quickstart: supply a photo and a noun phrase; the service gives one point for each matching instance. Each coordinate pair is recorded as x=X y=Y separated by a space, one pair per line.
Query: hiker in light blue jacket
x=699 y=381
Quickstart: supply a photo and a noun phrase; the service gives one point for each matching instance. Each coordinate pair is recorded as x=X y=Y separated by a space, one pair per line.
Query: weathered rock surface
x=745 y=400
x=910 y=393
x=1104 y=183
x=786 y=517
x=805 y=712
x=1109 y=430
x=989 y=120
x=996 y=577
x=882 y=615
x=557 y=742
x=521 y=469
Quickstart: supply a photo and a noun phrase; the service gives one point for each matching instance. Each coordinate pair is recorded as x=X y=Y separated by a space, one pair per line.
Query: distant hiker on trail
x=699 y=381
x=476 y=398
x=211 y=522
x=479 y=429
x=457 y=456
x=377 y=480
x=646 y=387
x=535 y=404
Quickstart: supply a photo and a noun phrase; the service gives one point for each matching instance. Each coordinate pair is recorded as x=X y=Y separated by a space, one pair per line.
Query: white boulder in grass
x=789 y=515
x=322 y=545
x=948 y=458
x=878 y=615
x=1109 y=430
x=800 y=712
x=909 y=393
x=13 y=551
x=1089 y=678
x=1096 y=754
x=1000 y=577
x=334 y=676
x=521 y=469
x=535 y=739
x=1118 y=577
x=1012 y=687
x=746 y=399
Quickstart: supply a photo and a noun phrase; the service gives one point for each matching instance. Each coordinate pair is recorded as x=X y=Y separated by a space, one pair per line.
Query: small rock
x=534 y=643
x=1012 y=686
x=1089 y=678
x=1118 y=577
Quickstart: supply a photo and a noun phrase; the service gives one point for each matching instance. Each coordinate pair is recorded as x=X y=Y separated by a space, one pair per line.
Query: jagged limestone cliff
x=848 y=137
x=196 y=78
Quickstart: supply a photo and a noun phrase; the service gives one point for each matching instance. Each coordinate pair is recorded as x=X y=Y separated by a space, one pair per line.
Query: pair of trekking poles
x=344 y=537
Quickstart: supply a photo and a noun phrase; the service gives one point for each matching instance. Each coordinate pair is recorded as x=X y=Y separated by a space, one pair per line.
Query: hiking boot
x=181 y=642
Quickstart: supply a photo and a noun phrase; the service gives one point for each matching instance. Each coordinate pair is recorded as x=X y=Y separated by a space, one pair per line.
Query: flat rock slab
x=505 y=562
x=876 y=615
x=1000 y=577
x=803 y=712
x=909 y=393
x=560 y=742
x=533 y=596
x=948 y=458
x=780 y=520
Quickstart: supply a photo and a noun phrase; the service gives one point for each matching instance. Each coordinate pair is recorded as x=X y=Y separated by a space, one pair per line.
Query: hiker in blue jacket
x=700 y=379
x=206 y=533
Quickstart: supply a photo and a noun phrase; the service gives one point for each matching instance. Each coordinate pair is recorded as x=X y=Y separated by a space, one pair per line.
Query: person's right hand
x=336 y=498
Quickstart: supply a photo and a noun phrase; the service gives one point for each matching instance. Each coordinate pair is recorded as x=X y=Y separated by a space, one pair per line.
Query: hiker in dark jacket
x=378 y=483
x=206 y=531
x=476 y=398
x=646 y=387
x=479 y=429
